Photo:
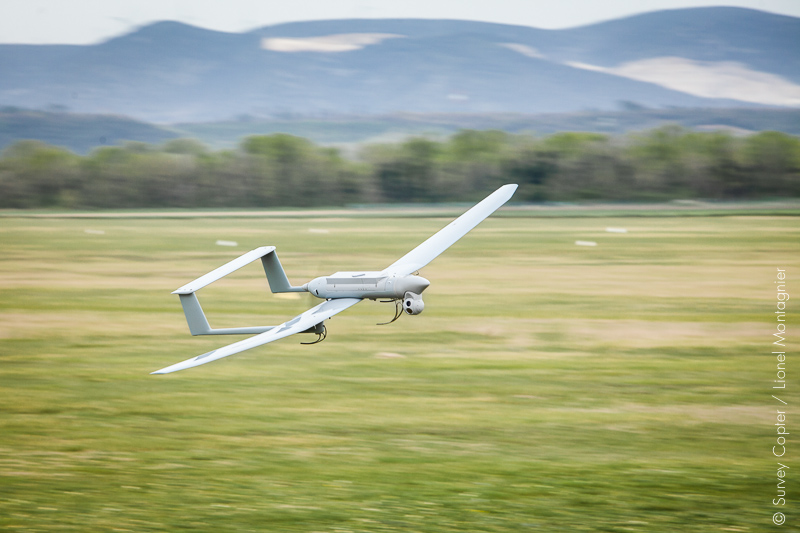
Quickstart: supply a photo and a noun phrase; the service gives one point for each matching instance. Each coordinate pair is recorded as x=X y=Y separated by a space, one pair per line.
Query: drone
x=400 y=283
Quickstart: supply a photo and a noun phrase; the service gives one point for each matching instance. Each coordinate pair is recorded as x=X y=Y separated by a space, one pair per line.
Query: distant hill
x=79 y=133
x=762 y=41
x=347 y=131
x=172 y=72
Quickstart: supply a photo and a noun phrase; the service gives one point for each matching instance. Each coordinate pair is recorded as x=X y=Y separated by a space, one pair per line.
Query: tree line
x=285 y=171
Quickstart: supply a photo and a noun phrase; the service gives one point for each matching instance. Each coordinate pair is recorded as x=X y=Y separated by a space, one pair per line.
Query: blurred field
x=546 y=387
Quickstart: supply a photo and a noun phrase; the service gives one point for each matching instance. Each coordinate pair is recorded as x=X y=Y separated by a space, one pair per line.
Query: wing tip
x=511 y=187
x=176 y=367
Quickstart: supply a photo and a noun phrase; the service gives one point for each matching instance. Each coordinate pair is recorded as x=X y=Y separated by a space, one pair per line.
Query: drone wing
x=447 y=236
x=298 y=324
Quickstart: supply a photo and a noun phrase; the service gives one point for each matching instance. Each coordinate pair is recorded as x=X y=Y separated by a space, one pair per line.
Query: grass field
x=546 y=387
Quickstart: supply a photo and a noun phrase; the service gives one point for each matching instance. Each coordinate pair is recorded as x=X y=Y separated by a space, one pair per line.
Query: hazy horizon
x=92 y=21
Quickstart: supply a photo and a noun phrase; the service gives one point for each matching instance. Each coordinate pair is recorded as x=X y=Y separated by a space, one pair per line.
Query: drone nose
x=420 y=284
x=415 y=284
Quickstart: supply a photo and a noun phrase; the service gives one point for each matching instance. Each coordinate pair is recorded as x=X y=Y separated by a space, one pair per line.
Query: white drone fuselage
x=372 y=286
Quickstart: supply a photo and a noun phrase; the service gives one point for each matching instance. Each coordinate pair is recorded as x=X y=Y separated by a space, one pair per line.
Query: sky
x=92 y=21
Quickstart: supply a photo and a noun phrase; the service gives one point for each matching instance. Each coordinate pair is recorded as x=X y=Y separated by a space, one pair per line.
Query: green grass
x=546 y=387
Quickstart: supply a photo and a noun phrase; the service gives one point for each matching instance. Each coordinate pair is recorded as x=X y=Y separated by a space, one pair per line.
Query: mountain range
x=170 y=72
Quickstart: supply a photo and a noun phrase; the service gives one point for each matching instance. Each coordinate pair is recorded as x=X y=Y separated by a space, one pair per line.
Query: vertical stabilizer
x=276 y=276
x=198 y=323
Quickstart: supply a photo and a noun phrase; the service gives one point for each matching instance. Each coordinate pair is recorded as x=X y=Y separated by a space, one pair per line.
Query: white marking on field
x=585 y=243
x=227 y=243
x=94 y=231
x=616 y=230
x=288 y=295
x=389 y=355
x=315 y=230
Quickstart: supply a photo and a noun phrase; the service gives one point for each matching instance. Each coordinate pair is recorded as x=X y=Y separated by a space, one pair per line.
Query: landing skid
x=397 y=311
x=320 y=336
